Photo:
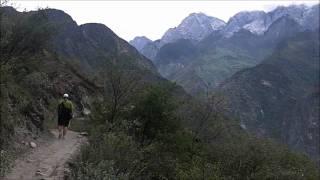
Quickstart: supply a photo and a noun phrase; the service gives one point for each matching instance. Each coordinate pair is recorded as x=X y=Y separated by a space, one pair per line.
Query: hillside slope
x=92 y=45
x=140 y=125
x=33 y=78
x=279 y=97
x=244 y=41
x=45 y=54
x=218 y=58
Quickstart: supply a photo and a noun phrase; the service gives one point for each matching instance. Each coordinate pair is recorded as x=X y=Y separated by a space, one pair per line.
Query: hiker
x=65 y=114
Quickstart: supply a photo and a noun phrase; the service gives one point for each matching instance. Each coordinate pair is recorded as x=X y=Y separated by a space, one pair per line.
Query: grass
x=79 y=124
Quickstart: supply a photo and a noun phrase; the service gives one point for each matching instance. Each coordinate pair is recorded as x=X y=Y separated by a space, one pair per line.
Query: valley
x=209 y=100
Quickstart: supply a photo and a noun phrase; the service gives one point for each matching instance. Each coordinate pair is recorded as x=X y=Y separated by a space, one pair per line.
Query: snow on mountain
x=194 y=27
x=197 y=26
x=253 y=21
x=311 y=18
x=307 y=17
x=256 y=27
x=294 y=11
x=139 y=42
x=258 y=22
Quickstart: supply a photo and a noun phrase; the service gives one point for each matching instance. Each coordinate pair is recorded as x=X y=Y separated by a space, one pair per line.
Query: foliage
x=154 y=116
x=23 y=35
x=5 y=162
x=23 y=39
x=115 y=155
x=137 y=131
x=151 y=143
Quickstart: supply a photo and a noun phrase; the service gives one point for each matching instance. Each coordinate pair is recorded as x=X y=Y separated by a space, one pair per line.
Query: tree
x=120 y=85
x=23 y=35
x=155 y=115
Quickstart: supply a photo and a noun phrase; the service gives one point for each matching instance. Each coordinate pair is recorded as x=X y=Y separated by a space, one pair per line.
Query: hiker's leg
x=60 y=128
x=65 y=129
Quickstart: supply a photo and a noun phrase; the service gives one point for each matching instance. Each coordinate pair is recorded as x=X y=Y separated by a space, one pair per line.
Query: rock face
x=194 y=27
x=253 y=21
x=150 y=50
x=258 y=22
x=140 y=42
x=197 y=26
x=208 y=63
x=243 y=42
x=279 y=98
x=311 y=18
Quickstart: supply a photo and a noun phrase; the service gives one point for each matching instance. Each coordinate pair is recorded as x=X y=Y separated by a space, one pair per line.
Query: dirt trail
x=47 y=161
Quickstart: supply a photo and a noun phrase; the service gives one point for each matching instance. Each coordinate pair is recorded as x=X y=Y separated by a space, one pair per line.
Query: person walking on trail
x=65 y=114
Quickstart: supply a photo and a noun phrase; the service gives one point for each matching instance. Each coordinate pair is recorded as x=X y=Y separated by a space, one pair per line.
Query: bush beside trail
x=150 y=142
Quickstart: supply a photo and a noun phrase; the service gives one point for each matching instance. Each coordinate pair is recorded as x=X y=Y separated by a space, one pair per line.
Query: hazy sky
x=149 y=18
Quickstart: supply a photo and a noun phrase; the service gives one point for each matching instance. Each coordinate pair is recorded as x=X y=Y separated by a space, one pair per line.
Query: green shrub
x=150 y=143
x=108 y=156
x=6 y=159
x=154 y=115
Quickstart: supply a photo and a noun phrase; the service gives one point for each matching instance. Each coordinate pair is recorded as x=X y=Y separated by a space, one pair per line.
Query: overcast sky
x=149 y=18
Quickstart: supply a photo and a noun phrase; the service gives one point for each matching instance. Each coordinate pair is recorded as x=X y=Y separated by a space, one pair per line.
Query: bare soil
x=48 y=160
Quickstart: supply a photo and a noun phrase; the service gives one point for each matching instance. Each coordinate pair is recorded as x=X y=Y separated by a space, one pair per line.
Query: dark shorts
x=63 y=122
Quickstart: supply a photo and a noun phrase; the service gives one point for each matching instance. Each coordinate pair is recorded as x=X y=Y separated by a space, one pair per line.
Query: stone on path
x=33 y=145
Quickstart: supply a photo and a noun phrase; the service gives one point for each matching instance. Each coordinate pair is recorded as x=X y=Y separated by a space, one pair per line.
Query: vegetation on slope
x=151 y=141
x=279 y=97
x=141 y=126
x=208 y=63
x=33 y=79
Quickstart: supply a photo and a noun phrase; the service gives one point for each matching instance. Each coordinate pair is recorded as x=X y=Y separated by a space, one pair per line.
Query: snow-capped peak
x=253 y=21
x=258 y=22
x=194 y=27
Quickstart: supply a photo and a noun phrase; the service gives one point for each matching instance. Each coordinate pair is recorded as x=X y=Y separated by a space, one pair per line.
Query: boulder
x=33 y=145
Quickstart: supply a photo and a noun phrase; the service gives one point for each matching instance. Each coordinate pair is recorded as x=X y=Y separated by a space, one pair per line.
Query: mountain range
x=279 y=98
x=265 y=63
x=141 y=125
x=198 y=26
x=250 y=35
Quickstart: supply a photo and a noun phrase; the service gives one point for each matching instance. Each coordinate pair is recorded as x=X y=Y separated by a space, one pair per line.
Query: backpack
x=64 y=112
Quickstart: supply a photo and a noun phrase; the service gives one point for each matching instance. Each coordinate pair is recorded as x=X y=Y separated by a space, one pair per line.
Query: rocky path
x=47 y=161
